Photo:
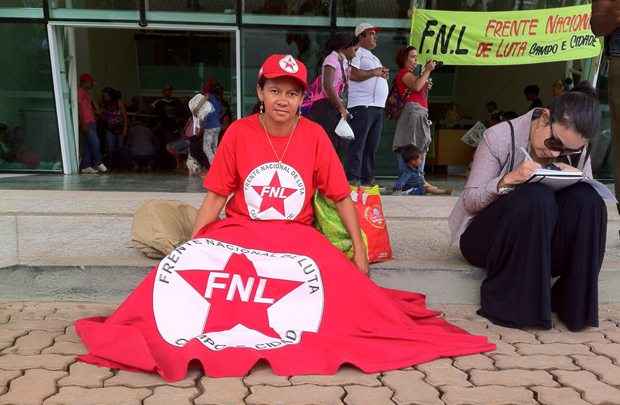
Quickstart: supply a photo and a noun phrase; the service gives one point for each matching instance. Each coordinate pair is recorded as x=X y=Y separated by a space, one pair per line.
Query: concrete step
x=67 y=233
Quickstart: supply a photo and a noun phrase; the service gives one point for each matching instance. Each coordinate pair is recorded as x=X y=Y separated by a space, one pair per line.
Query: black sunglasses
x=555 y=144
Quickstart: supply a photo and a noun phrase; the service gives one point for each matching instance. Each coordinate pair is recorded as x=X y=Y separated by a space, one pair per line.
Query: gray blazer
x=491 y=163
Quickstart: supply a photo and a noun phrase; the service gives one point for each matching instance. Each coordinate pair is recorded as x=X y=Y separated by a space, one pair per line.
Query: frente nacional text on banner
x=504 y=38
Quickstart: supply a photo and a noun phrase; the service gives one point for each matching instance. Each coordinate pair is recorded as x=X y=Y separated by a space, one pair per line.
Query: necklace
x=290 y=137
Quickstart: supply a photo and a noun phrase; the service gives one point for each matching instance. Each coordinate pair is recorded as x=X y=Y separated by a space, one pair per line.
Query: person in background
x=495 y=115
x=532 y=93
x=141 y=144
x=368 y=92
x=557 y=88
x=87 y=111
x=525 y=234
x=171 y=114
x=114 y=119
x=606 y=21
x=226 y=116
x=410 y=182
x=329 y=107
x=413 y=126
x=212 y=123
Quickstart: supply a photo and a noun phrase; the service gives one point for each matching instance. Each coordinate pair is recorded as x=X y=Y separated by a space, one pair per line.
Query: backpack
x=311 y=95
x=395 y=102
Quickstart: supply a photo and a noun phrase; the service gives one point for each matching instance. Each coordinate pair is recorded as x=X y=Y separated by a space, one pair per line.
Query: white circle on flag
x=182 y=313
x=274 y=190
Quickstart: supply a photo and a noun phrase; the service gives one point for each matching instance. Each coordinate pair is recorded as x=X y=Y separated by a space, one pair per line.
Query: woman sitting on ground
x=264 y=284
x=523 y=235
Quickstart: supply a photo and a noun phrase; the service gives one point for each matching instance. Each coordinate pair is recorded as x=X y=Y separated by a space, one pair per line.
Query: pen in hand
x=527 y=155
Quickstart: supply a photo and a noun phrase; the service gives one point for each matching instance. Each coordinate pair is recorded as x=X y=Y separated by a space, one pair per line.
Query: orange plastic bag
x=367 y=202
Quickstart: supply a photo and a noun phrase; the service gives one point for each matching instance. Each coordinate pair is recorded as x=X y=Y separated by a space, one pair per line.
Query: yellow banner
x=504 y=38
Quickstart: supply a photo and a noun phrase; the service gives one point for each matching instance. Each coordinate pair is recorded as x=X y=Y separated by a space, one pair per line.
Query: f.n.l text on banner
x=504 y=38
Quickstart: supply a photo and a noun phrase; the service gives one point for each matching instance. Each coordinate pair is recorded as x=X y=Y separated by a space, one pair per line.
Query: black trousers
x=367 y=125
x=526 y=238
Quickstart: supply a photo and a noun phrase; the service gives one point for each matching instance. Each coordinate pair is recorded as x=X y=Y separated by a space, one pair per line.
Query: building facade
x=139 y=46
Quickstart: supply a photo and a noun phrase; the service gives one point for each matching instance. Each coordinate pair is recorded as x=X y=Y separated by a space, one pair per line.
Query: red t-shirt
x=85 y=107
x=245 y=165
x=420 y=97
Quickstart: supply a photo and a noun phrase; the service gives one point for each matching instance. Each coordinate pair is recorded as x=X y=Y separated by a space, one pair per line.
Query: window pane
x=21 y=9
x=28 y=127
x=95 y=9
x=287 y=12
x=256 y=45
x=215 y=11
x=374 y=9
x=187 y=61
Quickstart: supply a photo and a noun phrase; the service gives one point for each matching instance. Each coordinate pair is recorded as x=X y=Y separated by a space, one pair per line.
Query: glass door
x=62 y=54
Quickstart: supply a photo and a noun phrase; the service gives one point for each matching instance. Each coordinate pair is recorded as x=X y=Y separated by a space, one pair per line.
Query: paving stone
x=69 y=336
x=442 y=372
x=222 y=391
x=85 y=375
x=570 y=337
x=613 y=335
x=8 y=337
x=458 y=311
x=558 y=396
x=172 y=396
x=535 y=362
x=52 y=325
x=552 y=349
x=475 y=361
x=12 y=306
x=344 y=376
x=45 y=361
x=78 y=313
x=502 y=347
x=359 y=395
x=29 y=314
x=32 y=343
x=611 y=350
x=66 y=348
x=488 y=395
x=5 y=315
x=410 y=388
x=602 y=367
x=512 y=378
x=31 y=388
x=141 y=380
x=592 y=390
x=262 y=375
x=474 y=327
x=99 y=396
x=511 y=335
x=5 y=377
x=295 y=395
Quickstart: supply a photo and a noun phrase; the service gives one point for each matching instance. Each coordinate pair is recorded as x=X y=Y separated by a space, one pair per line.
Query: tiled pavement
x=38 y=345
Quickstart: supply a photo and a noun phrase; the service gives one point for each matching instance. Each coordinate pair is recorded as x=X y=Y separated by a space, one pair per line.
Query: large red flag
x=246 y=291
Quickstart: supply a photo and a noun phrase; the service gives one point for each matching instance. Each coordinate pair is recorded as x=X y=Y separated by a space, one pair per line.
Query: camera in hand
x=438 y=63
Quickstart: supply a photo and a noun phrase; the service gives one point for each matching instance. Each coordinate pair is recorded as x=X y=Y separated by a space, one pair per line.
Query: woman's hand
x=520 y=175
x=361 y=260
x=566 y=167
x=430 y=65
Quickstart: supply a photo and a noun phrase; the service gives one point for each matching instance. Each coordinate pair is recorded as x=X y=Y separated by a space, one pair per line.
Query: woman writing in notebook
x=524 y=234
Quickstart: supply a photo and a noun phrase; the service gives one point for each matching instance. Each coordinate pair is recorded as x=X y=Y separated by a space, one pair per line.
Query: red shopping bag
x=367 y=202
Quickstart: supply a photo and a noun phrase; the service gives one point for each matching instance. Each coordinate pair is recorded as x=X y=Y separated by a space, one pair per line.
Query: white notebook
x=558 y=179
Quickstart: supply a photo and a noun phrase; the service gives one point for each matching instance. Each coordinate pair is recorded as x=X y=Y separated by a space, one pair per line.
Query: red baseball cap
x=86 y=77
x=284 y=65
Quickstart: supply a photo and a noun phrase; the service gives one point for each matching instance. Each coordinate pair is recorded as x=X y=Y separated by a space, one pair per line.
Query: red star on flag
x=273 y=195
x=238 y=295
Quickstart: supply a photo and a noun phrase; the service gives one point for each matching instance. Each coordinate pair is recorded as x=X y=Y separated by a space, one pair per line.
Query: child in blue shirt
x=410 y=181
